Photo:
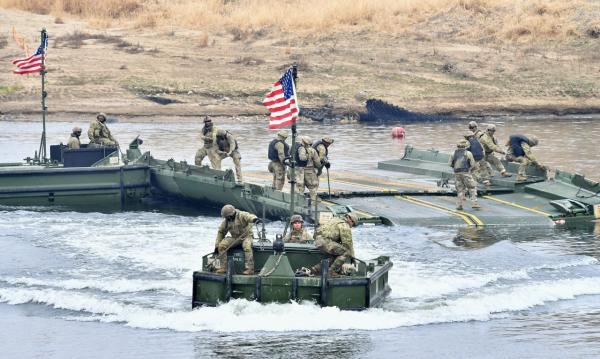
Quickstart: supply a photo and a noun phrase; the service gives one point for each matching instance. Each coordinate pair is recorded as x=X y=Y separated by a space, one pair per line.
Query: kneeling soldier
x=335 y=239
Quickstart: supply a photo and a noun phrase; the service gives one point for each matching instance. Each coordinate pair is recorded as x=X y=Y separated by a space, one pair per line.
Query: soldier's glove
x=352 y=261
x=287 y=161
x=327 y=165
x=257 y=221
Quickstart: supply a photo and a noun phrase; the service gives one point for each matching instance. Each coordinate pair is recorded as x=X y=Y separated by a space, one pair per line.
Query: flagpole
x=42 y=151
x=293 y=149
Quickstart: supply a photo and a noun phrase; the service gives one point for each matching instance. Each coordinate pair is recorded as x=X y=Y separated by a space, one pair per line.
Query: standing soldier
x=298 y=234
x=322 y=148
x=479 y=169
x=74 y=143
x=279 y=150
x=307 y=159
x=462 y=162
x=335 y=239
x=209 y=139
x=239 y=225
x=99 y=133
x=490 y=145
x=227 y=146
x=520 y=151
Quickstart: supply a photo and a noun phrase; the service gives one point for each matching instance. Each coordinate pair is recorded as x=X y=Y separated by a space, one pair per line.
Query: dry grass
x=497 y=20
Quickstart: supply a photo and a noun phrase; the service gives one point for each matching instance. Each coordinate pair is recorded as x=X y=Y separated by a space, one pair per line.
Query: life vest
x=299 y=162
x=460 y=161
x=476 y=149
x=224 y=144
x=515 y=144
x=273 y=155
x=320 y=142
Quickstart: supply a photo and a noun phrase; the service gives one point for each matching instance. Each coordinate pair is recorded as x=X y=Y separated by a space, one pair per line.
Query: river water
x=101 y=285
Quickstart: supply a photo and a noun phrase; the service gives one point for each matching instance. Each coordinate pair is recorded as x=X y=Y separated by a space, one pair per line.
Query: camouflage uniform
x=525 y=158
x=74 y=143
x=301 y=236
x=99 y=134
x=462 y=162
x=306 y=174
x=241 y=234
x=227 y=146
x=322 y=148
x=335 y=239
x=490 y=145
x=278 y=151
x=209 y=149
x=480 y=168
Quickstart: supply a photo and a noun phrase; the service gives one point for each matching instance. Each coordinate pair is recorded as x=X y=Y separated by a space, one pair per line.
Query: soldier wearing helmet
x=322 y=148
x=227 y=146
x=334 y=238
x=307 y=161
x=480 y=169
x=239 y=225
x=208 y=136
x=462 y=162
x=74 y=143
x=490 y=145
x=298 y=234
x=99 y=134
x=278 y=151
x=519 y=151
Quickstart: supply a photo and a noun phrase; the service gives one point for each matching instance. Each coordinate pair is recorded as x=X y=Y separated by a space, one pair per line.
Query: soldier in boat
x=99 y=134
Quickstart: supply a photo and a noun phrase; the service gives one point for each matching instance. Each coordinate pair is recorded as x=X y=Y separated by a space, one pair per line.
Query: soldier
x=307 y=159
x=478 y=171
x=335 y=239
x=462 y=162
x=99 y=133
x=74 y=143
x=279 y=150
x=490 y=145
x=298 y=234
x=209 y=149
x=227 y=146
x=322 y=148
x=520 y=151
x=239 y=225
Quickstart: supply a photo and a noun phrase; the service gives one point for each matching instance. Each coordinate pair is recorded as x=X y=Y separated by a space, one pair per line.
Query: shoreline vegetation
x=186 y=58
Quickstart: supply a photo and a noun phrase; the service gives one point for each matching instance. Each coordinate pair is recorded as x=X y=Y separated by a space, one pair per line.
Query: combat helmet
x=462 y=144
x=533 y=140
x=101 y=115
x=76 y=129
x=227 y=211
x=296 y=218
x=283 y=134
x=472 y=124
x=491 y=127
x=353 y=217
x=306 y=140
x=327 y=139
x=469 y=134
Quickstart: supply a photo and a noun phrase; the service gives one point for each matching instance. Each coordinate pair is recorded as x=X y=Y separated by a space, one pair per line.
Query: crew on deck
x=99 y=134
x=306 y=160
x=74 y=143
x=278 y=151
x=209 y=134
x=298 y=234
x=519 y=150
x=335 y=239
x=462 y=162
x=227 y=146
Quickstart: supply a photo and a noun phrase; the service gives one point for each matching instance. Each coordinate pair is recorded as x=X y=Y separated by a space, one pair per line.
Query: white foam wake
x=241 y=315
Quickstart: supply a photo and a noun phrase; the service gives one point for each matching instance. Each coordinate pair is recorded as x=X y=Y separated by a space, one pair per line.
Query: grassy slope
x=436 y=56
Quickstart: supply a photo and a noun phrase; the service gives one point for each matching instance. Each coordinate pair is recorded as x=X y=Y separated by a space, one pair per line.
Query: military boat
x=87 y=177
x=364 y=286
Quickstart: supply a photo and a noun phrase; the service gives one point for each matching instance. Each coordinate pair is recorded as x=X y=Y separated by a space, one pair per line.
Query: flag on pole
x=282 y=101
x=33 y=63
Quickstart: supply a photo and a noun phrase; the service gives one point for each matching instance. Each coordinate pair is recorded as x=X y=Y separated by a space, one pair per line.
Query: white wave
x=416 y=280
x=182 y=285
x=241 y=315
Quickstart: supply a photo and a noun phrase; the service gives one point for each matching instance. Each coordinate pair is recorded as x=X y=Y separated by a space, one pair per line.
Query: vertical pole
x=293 y=148
x=42 y=152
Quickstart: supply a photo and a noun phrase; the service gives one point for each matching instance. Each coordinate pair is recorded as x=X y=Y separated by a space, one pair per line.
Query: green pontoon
x=277 y=282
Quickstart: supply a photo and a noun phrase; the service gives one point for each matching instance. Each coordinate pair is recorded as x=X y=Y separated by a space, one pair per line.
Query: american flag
x=282 y=102
x=33 y=63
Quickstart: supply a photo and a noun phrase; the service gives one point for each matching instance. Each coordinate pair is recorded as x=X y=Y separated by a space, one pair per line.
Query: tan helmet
x=296 y=218
x=283 y=134
x=462 y=144
x=533 y=140
x=221 y=132
x=76 y=129
x=306 y=140
x=227 y=211
x=206 y=119
x=469 y=134
x=353 y=217
x=491 y=127
x=327 y=139
x=101 y=115
x=473 y=125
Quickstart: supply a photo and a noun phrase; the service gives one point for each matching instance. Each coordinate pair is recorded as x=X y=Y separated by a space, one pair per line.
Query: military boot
x=506 y=174
x=221 y=270
x=521 y=178
x=249 y=268
x=475 y=205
